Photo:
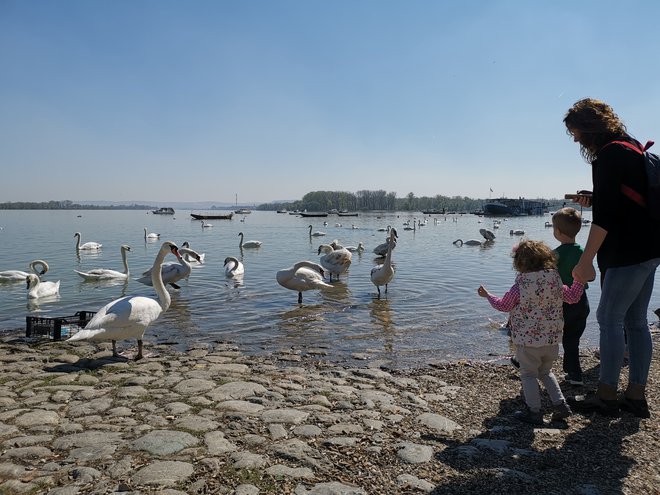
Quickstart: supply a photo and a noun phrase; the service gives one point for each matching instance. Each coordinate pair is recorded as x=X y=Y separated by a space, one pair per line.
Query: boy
x=566 y=224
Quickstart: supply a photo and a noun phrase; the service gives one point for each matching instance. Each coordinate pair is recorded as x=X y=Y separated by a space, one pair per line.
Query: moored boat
x=163 y=211
x=313 y=214
x=242 y=211
x=504 y=207
x=212 y=216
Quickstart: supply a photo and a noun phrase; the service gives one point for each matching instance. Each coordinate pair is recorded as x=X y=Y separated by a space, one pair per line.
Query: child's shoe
x=529 y=416
x=561 y=411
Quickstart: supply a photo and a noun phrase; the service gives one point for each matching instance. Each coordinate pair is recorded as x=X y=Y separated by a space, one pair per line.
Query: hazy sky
x=269 y=99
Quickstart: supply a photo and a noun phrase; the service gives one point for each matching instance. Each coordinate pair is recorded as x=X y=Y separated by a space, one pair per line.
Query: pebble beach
x=213 y=419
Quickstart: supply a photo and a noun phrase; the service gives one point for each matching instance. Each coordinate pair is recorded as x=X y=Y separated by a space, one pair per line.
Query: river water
x=431 y=311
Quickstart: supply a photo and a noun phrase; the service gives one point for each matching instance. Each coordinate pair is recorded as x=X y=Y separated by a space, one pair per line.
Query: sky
x=263 y=100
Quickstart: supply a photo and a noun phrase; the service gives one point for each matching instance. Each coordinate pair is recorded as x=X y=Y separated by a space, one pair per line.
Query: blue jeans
x=624 y=302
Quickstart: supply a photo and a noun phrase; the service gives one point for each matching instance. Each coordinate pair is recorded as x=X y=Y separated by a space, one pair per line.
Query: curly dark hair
x=534 y=256
x=597 y=125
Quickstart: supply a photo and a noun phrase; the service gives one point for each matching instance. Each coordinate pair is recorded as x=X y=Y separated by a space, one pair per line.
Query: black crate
x=56 y=328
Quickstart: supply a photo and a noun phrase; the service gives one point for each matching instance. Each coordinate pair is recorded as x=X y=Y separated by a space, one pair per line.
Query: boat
x=163 y=211
x=242 y=211
x=212 y=216
x=434 y=211
x=511 y=207
x=313 y=214
x=283 y=211
x=347 y=214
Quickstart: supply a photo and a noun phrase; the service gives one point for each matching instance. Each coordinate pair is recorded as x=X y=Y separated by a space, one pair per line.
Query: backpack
x=652 y=167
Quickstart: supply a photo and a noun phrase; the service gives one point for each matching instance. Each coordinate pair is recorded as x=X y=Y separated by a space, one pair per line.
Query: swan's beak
x=175 y=251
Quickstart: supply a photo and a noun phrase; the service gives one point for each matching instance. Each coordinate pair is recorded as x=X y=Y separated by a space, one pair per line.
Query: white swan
x=487 y=234
x=335 y=261
x=20 y=276
x=128 y=317
x=191 y=259
x=469 y=242
x=36 y=288
x=206 y=225
x=88 y=246
x=233 y=267
x=248 y=244
x=383 y=274
x=381 y=249
x=172 y=272
x=151 y=235
x=315 y=234
x=105 y=274
x=304 y=275
x=356 y=249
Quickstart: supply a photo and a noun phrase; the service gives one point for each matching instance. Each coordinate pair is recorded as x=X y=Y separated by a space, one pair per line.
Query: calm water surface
x=431 y=311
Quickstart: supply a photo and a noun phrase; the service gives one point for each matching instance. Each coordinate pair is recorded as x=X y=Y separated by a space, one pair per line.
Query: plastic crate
x=56 y=328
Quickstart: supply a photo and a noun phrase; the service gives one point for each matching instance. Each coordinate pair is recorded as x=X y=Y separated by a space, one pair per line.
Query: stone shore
x=74 y=420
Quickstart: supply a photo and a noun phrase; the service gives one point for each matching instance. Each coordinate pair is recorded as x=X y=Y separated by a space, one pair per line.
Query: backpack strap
x=629 y=191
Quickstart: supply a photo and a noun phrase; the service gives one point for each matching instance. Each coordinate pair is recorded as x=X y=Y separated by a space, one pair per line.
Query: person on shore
x=535 y=305
x=566 y=223
x=625 y=240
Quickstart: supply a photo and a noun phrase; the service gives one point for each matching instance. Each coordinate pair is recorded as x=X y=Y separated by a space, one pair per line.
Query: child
x=566 y=224
x=535 y=305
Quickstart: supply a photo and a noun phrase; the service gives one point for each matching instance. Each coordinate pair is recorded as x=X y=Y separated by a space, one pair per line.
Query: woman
x=627 y=266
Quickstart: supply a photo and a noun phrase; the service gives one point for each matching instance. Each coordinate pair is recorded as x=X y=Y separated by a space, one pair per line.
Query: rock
x=439 y=424
x=164 y=442
x=164 y=473
x=414 y=453
x=292 y=416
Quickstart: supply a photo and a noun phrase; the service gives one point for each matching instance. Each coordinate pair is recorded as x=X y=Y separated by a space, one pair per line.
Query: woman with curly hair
x=535 y=302
x=627 y=268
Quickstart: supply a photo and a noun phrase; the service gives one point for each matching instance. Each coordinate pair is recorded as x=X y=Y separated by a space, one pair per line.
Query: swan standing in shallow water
x=105 y=274
x=304 y=275
x=247 y=244
x=335 y=261
x=150 y=236
x=315 y=234
x=20 y=276
x=128 y=317
x=36 y=288
x=383 y=274
x=171 y=273
x=88 y=246
x=233 y=267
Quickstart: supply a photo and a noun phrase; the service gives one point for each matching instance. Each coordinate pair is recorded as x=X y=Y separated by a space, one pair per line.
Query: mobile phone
x=577 y=196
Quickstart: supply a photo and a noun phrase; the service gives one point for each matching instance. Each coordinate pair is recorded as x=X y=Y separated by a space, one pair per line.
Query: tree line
x=65 y=205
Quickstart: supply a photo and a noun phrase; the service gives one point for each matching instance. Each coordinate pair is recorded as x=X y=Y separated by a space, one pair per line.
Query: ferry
x=511 y=207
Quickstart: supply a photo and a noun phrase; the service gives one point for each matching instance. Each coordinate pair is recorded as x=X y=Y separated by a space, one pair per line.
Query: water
x=431 y=311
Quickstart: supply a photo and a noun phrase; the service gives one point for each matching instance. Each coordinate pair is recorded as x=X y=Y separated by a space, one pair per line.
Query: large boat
x=242 y=211
x=212 y=216
x=163 y=211
x=509 y=207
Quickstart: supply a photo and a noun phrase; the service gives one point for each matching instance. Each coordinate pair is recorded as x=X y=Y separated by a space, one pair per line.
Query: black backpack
x=650 y=200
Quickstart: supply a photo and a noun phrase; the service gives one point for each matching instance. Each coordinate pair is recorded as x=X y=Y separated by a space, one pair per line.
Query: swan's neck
x=125 y=261
x=78 y=243
x=164 y=298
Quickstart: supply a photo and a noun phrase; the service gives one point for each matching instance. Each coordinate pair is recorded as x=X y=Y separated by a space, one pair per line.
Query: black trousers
x=575 y=321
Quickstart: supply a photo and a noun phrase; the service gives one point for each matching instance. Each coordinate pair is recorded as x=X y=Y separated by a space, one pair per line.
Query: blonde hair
x=568 y=221
x=533 y=256
x=597 y=125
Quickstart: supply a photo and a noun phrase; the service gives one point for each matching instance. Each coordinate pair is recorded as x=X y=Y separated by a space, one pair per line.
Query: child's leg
x=575 y=321
x=529 y=371
x=549 y=354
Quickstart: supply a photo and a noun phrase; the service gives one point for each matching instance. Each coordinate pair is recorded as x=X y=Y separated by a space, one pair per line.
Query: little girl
x=536 y=314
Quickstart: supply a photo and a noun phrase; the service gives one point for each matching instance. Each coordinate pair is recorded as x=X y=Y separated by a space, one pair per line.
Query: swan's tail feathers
x=86 y=334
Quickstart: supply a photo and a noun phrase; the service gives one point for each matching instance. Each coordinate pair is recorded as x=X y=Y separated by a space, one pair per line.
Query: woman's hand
x=482 y=291
x=584 y=272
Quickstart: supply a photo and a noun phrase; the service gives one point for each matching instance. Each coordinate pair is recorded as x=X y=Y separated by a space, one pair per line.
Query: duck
x=128 y=317
x=302 y=276
x=151 y=235
x=248 y=244
x=315 y=234
x=335 y=261
x=381 y=249
x=36 y=288
x=88 y=246
x=383 y=274
x=105 y=274
x=191 y=259
x=20 y=276
x=548 y=224
x=233 y=267
x=172 y=272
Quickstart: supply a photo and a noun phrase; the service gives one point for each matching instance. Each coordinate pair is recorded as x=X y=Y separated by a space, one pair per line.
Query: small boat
x=163 y=211
x=347 y=214
x=283 y=211
x=313 y=214
x=242 y=211
x=212 y=216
